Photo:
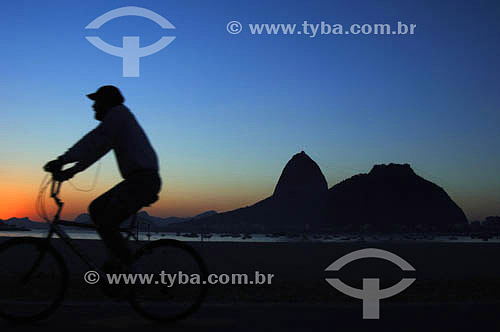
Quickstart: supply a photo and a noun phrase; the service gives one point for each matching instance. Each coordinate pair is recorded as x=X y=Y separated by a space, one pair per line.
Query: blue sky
x=226 y=112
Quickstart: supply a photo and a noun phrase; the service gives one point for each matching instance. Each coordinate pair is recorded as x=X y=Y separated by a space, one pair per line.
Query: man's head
x=104 y=98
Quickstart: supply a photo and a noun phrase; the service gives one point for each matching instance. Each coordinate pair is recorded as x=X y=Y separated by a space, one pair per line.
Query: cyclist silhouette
x=138 y=163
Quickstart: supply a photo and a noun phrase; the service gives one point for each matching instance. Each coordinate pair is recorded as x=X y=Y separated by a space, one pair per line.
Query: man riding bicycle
x=118 y=131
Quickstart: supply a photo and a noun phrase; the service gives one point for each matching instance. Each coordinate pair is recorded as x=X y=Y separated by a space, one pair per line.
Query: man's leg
x=108 y=211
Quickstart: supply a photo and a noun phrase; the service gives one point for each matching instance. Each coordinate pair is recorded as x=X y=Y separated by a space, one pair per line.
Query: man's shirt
x=119 y=131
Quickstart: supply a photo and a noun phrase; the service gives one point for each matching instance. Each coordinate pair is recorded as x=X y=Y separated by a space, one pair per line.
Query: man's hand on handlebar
x=65 y=175
x=55 y=167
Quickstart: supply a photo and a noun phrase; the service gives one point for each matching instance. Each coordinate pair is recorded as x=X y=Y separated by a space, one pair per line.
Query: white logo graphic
x=371 y=292
x=130 y=52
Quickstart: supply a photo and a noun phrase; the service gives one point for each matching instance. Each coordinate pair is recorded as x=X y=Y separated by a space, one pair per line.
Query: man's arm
x=90 y=148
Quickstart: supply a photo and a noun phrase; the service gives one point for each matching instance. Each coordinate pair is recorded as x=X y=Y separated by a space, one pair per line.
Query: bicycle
x=41 y=271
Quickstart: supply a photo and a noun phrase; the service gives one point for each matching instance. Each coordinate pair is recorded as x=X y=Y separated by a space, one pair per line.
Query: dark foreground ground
x=457 y=287
x=275 y=317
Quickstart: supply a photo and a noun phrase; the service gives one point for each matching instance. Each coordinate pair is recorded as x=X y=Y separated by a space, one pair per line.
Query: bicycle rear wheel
x=162 y=298
x=33 y=279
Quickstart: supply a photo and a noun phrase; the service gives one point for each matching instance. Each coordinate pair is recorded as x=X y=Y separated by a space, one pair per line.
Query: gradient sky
x=226 y=112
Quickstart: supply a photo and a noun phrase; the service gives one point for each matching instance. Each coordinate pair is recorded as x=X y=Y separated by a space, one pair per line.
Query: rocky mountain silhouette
x=392 y=195
x=389 y=195
x=300 y=178
x=298 y=201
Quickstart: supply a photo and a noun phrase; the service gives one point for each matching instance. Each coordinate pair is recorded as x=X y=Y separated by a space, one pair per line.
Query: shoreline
x=80 y=234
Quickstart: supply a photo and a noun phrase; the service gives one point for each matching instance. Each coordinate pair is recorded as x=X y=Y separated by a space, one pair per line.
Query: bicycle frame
x=54 y=228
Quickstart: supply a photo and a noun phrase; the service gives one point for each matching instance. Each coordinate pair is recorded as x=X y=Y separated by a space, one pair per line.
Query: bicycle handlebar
x=55 y=187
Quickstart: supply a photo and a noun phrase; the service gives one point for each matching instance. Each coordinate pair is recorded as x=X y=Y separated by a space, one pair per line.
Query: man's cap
x=108 y=93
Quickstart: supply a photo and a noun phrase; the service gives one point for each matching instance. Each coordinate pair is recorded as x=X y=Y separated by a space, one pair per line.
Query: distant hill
x=388 y=197
x=156 y=223
x=24 y=222
x=392 y=195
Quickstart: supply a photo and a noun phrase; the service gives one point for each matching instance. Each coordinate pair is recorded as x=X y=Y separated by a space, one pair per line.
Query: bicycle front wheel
x=33 y=279
x=181 y=290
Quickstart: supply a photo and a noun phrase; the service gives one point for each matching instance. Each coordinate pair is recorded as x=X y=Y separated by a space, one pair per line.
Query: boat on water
x=192 y=235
